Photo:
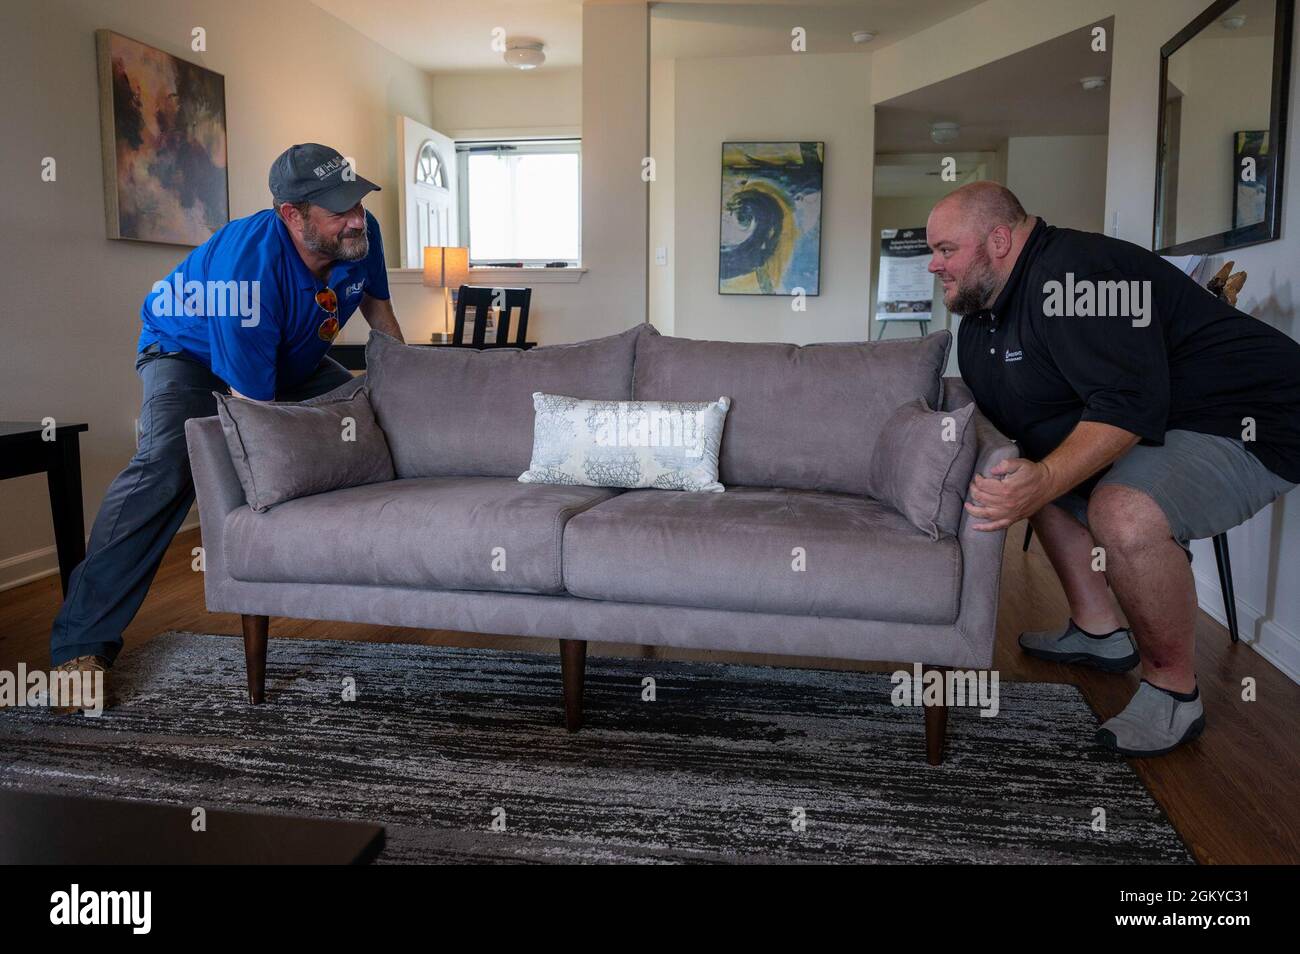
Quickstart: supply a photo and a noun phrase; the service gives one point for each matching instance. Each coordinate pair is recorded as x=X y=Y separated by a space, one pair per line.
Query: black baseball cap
x=310 y=172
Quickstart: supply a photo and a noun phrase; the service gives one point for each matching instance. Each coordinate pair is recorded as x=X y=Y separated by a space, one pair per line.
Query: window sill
x=497 y=276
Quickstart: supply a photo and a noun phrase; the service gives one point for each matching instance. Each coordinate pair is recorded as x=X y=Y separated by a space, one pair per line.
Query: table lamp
x=446 y=267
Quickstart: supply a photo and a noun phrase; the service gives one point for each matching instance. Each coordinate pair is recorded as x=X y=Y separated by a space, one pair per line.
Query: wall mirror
x=1222 y=128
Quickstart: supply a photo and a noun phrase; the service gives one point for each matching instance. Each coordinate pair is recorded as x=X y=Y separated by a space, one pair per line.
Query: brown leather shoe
x=82 y=694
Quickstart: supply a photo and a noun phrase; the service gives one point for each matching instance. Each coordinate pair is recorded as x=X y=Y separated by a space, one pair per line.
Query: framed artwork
x=771 y=233
x=163 y=126
x=1250 y=199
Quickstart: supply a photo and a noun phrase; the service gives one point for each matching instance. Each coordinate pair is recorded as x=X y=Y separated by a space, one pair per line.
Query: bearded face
x=966 y=294
x=334 y=238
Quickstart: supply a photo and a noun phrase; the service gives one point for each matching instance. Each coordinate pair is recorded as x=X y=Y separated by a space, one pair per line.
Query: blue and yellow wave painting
x=771 y=218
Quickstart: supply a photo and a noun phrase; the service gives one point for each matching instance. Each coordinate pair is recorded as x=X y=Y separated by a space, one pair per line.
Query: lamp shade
x=446 y=266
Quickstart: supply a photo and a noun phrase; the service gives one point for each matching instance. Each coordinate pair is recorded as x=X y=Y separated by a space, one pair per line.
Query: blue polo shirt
x=245 y=304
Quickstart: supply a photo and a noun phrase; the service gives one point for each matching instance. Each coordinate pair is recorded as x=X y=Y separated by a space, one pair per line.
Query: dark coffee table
x=74 y=830
x=24 y=451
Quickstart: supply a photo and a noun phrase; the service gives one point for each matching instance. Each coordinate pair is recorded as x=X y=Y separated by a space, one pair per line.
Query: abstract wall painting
x=163 y=126
x=771 y=218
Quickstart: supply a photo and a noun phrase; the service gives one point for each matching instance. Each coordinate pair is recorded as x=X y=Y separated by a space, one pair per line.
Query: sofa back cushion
x=802 y=417
x=458 y=412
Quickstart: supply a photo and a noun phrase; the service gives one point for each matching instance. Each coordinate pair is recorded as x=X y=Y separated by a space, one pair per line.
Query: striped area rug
x=462 y=755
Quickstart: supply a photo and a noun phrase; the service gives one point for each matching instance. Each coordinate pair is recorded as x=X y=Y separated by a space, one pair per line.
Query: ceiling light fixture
x=1093 y=82
x=1234 y=22
x=944 y=133
x=525 y=54
x=863 y=36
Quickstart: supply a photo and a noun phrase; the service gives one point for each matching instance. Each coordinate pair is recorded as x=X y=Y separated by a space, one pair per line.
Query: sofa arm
x=219 y=492
x=981 y=549
x=992 y=444
x=955 y=394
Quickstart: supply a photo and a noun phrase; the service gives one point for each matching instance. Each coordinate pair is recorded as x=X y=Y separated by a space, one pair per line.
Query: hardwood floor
x=1234 y=794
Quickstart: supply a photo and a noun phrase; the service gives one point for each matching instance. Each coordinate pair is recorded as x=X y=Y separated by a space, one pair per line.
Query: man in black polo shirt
x=1149 y=412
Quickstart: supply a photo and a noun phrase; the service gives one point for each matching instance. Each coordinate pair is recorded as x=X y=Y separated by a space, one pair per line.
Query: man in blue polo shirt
x=252 y=311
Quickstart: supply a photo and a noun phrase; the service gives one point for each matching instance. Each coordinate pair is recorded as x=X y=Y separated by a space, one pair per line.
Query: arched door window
x=428 y=167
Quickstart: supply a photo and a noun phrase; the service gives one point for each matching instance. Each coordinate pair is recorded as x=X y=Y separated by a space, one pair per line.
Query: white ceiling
x=1035 y=92
x=448 y=36
x=445 y=36
x=694 y=30
x=911 y=177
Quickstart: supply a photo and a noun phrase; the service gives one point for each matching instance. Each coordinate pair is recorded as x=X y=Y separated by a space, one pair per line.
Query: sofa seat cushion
x=738 y=551
x=431 y=533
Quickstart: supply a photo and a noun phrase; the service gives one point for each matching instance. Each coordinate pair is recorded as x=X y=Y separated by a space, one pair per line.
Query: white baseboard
x=38 y=564
x=1275 y=643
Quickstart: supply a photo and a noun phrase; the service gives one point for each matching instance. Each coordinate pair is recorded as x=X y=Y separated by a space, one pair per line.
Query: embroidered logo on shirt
x=354 y=288
x=1012 y=355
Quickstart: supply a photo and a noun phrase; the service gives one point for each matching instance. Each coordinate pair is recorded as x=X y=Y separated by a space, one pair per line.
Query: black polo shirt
x=1198 y=365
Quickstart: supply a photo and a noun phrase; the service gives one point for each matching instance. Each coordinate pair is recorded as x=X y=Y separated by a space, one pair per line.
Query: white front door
x=426 y=191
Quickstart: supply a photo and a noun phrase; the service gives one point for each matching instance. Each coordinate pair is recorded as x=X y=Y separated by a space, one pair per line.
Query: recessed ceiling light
x=525 y=54
x=863 y=36
x=943 y=133
x=1093 y=82
x=1234 y=22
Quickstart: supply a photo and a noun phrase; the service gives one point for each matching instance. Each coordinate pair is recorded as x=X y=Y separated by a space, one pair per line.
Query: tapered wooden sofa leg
x=255 y=631
x=936 y=730
x=573 y=664
x=936 y=726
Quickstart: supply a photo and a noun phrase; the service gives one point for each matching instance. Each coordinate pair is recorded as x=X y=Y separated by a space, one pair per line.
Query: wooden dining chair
x=482 y=299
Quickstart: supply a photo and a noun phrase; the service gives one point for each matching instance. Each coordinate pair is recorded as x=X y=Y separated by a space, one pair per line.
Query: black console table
x=23 y=452
x=353 y=356
x=41 y=829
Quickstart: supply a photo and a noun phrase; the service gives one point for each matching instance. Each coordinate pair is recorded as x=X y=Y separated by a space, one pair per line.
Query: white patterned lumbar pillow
x=668 y=445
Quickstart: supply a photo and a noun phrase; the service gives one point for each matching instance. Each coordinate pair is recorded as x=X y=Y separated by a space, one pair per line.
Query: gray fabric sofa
x=651 y=567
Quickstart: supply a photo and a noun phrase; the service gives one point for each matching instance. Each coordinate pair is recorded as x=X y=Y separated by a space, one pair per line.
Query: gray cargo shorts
x=1205 y=484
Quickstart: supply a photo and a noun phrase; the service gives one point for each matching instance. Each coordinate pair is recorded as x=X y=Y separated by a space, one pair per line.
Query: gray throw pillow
x=286 y=450
x=922 y=465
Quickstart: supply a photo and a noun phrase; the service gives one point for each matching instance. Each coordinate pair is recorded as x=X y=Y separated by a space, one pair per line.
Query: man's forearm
x=379 y=314
x=1090 y=447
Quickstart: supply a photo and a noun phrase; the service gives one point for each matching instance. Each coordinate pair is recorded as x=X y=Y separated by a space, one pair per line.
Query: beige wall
x=1265 y=550
x=542 y=102
x=615 y=200
x=71 y=316
x=663 y=143
x=1061 y=178
x=805 y=97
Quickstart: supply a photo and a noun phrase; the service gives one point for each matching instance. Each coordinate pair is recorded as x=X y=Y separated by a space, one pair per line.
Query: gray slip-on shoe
x=1152 y=723
x=1115 y=652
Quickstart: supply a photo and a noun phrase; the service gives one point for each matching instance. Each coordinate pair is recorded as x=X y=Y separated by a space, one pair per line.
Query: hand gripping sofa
x=652 y=567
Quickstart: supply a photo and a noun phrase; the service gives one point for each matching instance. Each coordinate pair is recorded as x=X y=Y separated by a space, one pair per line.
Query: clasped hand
x=1017 y=489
